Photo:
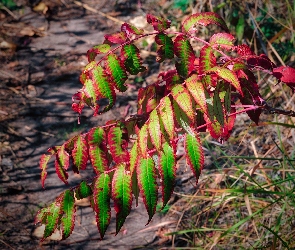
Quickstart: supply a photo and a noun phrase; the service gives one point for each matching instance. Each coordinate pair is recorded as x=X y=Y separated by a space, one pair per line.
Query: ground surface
x=42 y=54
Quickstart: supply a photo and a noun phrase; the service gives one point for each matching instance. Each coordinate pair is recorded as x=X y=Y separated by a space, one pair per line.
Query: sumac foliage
x=204 y=91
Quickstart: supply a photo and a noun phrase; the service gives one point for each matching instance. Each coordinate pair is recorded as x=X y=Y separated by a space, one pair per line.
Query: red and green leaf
x=118 y=144
x=207 y=59
x=122 y=195
x=132 y=60
x=214 y=127
x=160 y=24
x=130 y=29
x=119 y=37
x=228 y=76
x=166 y=116
x=184 y=51
x=222 y=40
x=148 y=186
x=166 y=50
x=101 y=199
x=133 y=157
x=194 y=153
x=204 y=19
x=182 y=97
x=197 y=90
x=68 y=213
x=167 y=170
x=142 y=140
x=43 y=165
x=97 y=149
x=80 y=153
x=83 y=190
x=62 y=162
x=154 y=129
x=147 y=99
x=116 y=72
x=98 y=49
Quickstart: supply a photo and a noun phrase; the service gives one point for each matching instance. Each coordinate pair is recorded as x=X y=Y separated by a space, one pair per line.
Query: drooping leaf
x=148 y=186
x=196 y=89
x=119 y=37
x=214 y=127
x=130 y=29
x=135 y=187
x=98 y=49
x=97 y=149
x=116 y=71
x=43 y=165
x=166 y=50
x=217 y=107
x=101 y=199
x=154 y=129
x=142 y=140
x=166 y=116
x=170 y=77
x=103 y=87
x=118 y=144
x=194 y=153
x=158 y=23
x=207 y=59
x=68 y=213
x=62 y=162
x=147 y=99
x=167 y=170
x=121 y=195
x=80 y=153
x=222 y=40
x=132 y=60
x=240 y=27
x=184 y=51
x=182 y=97
x=53 y=215
x=133 y=157
x=83 y=190
x=204 y=19
x=228 y=76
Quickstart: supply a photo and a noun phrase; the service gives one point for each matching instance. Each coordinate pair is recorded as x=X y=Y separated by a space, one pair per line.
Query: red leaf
x=223 y=40
x=130 y=29
x=119 y=37
x=244 y=50
x=285 y=74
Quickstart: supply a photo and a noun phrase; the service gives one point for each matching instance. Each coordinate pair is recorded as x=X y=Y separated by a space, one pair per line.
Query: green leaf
x=167 y=170
x=196 y=89
x=148 y=186
x=97 y=149
x=166 y=50
x=154 y=129
x=240 y=27
x=101 y=199
x=83 y=190
x=52 y=217
x=80 y=153
x=118 y=144
x=43 y=165
x=204 y=19
x=132 y=60
x=183 y=99
x=116 y=71
x=68 y=217
x=217 y=107
x=166 y=116
x=135 y=187
x=184 y=51
x=194 y=153
x=228 y=76
x=122 y=195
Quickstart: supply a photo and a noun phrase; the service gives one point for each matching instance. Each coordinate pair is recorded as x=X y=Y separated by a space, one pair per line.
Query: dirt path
x=39 y=76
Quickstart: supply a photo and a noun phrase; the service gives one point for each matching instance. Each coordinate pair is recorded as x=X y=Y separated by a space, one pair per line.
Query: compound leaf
x=122 y=195
x=194 y=153
x=101 y=200
x=148 y=186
